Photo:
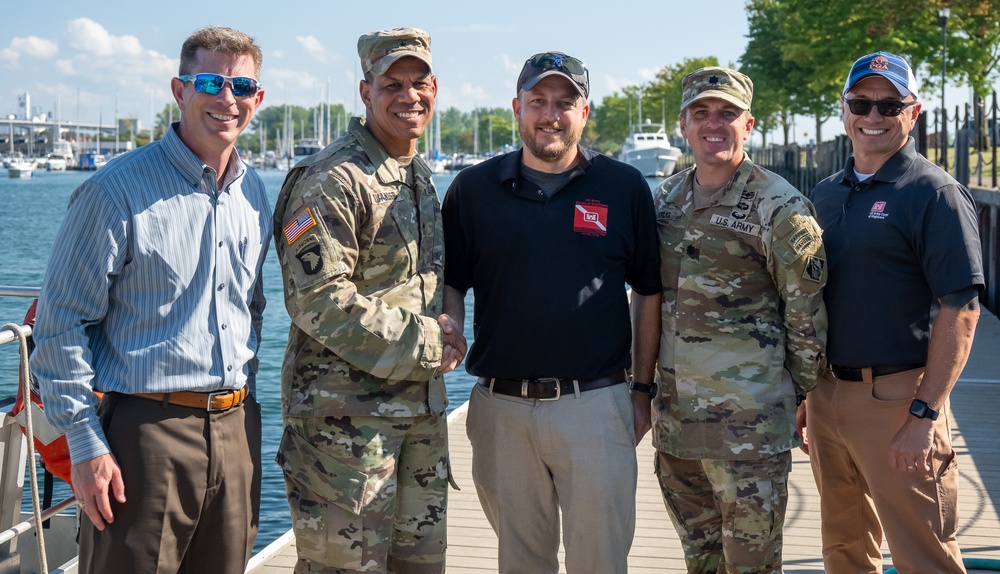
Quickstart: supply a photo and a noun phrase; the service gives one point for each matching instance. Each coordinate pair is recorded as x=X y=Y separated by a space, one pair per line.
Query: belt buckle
x=554 y=380
x=211 y=398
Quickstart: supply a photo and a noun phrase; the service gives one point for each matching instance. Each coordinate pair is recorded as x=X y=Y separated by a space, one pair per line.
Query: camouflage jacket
x=362 y=259
x=744 y=325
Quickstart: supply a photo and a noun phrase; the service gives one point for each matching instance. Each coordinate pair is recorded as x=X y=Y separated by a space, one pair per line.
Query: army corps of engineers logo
x=590 y=218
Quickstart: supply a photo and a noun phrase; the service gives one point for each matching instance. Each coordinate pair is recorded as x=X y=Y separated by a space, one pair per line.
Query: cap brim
x=719 y=96
x=387 y=61
x=534 y=81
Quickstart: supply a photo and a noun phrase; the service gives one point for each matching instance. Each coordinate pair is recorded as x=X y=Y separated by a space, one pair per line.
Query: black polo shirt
x=895 y=244
x=549 y=274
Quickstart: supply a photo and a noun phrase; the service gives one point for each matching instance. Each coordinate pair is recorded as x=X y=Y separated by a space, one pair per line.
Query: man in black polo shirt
x=547 y=237
x=902 y=243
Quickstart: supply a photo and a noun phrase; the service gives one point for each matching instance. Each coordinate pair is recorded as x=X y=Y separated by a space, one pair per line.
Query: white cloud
x=9 y=57
x=89 y=37
x=35 y=47
x=65 y=67
x=313 y=47
x=475 y=95
x=278 y=54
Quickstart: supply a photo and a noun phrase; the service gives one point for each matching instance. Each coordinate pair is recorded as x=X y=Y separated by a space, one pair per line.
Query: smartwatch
x=649 y=389
x=922 y=410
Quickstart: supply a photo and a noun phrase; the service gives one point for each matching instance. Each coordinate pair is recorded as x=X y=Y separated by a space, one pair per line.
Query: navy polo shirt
x=895 y=244
x=549 y=274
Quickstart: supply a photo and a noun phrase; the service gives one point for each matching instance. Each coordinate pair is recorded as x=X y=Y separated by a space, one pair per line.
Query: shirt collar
x=387 y=169
x=190 y=165
x=510 y=164
x=891 y=170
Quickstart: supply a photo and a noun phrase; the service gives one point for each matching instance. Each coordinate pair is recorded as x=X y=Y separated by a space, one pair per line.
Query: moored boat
x=647 y=148
x=20 y=169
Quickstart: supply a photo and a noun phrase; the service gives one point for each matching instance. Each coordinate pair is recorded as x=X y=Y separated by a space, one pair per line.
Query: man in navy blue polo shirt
x=547 y=238
x=902 y=242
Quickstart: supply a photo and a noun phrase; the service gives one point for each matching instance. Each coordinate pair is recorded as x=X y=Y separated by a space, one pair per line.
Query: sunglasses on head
x=568 y=64
x=887 y=108
x=214 y=83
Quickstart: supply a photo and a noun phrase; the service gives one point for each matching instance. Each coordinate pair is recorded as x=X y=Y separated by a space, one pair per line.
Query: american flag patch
x=300 y=225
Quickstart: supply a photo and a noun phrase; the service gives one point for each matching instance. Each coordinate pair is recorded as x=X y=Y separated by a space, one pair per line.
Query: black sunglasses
x=215 y=83
x=572 y=66
x=887 y=108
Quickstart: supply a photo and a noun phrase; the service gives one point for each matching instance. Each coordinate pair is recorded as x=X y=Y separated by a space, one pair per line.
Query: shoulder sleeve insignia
x=302 y=223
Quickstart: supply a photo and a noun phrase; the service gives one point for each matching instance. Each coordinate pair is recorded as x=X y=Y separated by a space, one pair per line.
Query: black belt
x=857 y=374
x=548 y=388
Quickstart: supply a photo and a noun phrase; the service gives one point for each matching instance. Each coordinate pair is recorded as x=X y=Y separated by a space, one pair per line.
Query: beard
x=553 y=151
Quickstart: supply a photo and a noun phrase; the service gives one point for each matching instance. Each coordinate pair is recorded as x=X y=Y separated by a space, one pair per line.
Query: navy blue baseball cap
x=890 y=66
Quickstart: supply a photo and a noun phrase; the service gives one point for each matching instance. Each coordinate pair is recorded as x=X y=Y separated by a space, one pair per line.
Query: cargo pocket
x=321 y=473
x=947 y=487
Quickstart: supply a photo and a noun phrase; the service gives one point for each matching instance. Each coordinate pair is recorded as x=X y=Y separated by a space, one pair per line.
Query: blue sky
x=87 y=52
x=82 y=57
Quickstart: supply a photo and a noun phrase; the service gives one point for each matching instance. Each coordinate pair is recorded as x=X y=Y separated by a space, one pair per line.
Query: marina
x=647 y=148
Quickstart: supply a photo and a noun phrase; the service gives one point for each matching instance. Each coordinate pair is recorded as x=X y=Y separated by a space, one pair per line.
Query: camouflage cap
x=714 y=82
x=379 y=50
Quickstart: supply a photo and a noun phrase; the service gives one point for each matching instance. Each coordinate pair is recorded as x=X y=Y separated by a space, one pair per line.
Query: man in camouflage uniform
x=743 y=335
x=358 y=228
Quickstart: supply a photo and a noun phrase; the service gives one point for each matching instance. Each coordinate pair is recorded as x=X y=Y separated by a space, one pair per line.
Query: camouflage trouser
x=728 y=513
x=367 y=494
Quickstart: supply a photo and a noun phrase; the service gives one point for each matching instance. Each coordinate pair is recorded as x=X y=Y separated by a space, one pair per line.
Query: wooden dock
x=656 y=549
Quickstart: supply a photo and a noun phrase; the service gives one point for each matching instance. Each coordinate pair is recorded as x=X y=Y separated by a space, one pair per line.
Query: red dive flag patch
x=590 y=218
x=300 y=225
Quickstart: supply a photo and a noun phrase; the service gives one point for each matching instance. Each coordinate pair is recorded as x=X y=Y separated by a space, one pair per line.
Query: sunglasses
x=887 y=108
x=568 y=64
x=214 y=83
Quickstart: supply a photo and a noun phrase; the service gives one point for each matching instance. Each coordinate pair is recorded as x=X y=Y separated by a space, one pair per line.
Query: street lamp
x=943 y=14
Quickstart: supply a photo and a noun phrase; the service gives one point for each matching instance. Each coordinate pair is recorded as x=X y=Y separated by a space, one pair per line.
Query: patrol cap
x=379 y=50
x=890 y=66
x=546 y=64
x=715 y=82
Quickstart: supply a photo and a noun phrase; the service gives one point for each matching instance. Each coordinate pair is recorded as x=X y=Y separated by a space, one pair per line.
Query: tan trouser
x=190 y=479
x=532 y=459
x=850 y=426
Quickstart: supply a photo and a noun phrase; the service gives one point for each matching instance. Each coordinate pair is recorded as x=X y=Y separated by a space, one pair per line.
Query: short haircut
x=219 y=39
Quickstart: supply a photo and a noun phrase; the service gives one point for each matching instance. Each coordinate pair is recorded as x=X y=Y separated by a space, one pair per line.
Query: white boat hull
x=652 y=162
x=20 y=172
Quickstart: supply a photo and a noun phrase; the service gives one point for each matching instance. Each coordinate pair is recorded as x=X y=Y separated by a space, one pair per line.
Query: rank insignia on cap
x=304 y=222
x=713 y=80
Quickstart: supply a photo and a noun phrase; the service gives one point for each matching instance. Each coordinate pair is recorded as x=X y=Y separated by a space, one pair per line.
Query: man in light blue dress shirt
x=153 y=296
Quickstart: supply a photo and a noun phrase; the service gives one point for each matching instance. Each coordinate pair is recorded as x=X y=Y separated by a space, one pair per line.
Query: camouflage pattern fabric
x=367 y=494
x=727 y=513
x=744 y=325
x=361 y=250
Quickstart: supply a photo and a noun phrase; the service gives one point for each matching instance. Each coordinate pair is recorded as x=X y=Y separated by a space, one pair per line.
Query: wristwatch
x=922 y=410
x=649 y=389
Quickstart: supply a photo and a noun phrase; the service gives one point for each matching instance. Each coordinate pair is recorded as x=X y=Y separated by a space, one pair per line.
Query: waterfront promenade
x=975 y=433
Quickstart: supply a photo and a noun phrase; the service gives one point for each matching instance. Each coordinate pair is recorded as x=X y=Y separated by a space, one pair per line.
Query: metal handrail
x=26 y=525
x=11 y=291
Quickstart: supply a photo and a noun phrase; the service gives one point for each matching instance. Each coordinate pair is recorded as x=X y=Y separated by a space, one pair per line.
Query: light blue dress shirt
x=153 y=285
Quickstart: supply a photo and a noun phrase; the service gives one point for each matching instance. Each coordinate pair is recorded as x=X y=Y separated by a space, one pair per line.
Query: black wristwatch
x=649 y=389
x=922 y=410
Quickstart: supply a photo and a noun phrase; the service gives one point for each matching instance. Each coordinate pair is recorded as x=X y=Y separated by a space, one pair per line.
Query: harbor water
x=30 y=213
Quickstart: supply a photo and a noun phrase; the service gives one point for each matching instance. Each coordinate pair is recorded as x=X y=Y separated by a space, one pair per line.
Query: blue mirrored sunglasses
x=214 y=83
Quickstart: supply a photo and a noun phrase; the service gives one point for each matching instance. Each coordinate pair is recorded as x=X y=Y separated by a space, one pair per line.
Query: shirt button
x=221 y=285
x=220 y=244
x=229 y=368
x=850 y=204
x=223 y=326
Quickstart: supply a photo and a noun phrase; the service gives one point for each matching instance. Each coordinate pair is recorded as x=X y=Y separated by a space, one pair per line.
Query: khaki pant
x=191 y=478
x=532 y=459
x=850 y=426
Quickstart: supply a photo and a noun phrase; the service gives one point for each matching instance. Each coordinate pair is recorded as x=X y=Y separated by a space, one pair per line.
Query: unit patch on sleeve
x=302 y=223
x=590 y=218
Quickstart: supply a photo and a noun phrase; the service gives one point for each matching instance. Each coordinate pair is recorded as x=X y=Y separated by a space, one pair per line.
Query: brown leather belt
x=857 y=374
x=548 y=388
x=214 y=401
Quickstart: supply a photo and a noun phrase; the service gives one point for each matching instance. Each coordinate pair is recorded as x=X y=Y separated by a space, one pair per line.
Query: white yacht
x=20 y=168
x=647 y=148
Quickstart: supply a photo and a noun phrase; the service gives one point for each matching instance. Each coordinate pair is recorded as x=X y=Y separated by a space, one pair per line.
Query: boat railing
x=15 y=452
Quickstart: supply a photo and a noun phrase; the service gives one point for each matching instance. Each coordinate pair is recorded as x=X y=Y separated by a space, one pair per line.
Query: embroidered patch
x=878 y=211
x=803 y=241
x=304 y=222
x=736 y=225
x=815 y=269
x=590 y=218
x=311 y=259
